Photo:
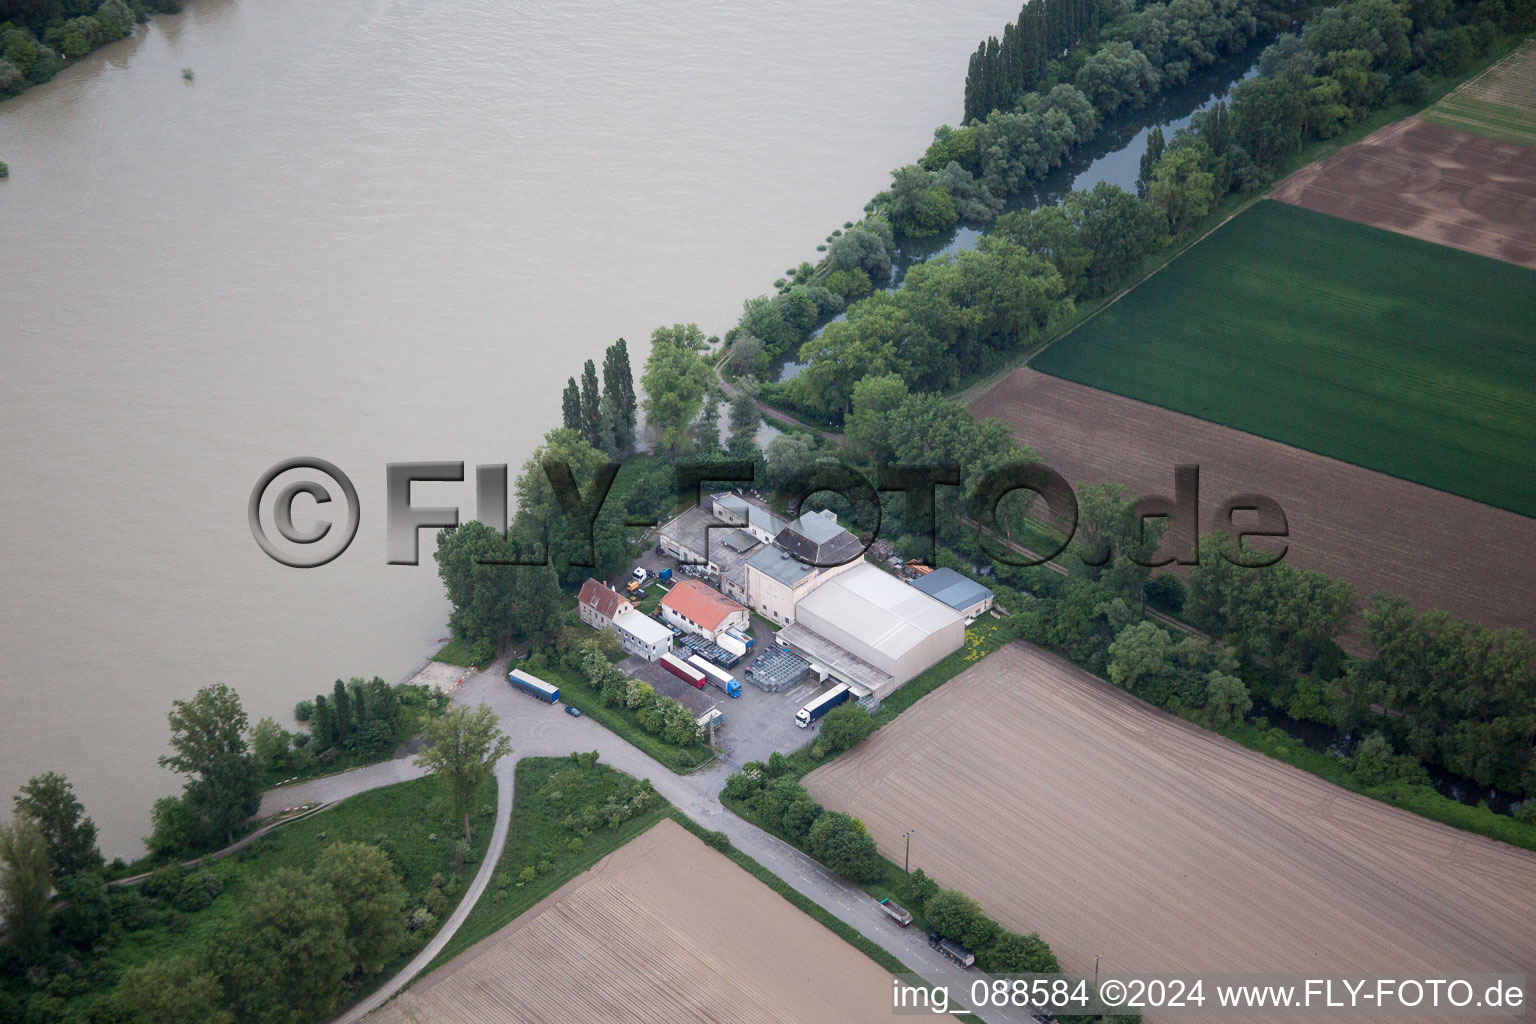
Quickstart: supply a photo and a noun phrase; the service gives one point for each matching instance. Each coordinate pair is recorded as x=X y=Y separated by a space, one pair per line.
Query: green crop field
x=1392 y=353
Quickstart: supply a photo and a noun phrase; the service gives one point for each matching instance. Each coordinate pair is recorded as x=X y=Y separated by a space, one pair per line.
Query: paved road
x=539 y=730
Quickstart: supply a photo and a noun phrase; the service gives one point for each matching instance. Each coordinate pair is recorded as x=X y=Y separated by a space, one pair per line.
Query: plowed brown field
x=664 y=930
x=1067 y=807
x=1431 y=182
x=1379 y=532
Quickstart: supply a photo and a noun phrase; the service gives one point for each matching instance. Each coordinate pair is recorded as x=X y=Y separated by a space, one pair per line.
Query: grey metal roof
x=815 y=538
x=954 y=589
x=868 y=603
x=780 y=565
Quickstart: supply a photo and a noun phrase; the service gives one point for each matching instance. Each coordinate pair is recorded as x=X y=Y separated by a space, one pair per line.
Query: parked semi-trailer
x=821 y=705
x=684 y=671
x=956 y=952
x=726 y=642
x=898 y=914
x=716 y=677
x=534 y=685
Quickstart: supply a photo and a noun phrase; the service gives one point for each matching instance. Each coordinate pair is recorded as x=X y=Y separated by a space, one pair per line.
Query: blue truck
x=534 y=685
x=718 y=678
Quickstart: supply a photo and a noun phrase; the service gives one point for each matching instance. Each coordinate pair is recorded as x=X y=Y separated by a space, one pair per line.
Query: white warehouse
x=868 y=629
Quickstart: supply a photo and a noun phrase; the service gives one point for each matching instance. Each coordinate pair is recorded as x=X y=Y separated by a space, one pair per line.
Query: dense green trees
x=471 y=561
x=1002 y=70
x=586 y=536
x=655 y=713
x=364 y=718
x=953 y=316
x=677 y=375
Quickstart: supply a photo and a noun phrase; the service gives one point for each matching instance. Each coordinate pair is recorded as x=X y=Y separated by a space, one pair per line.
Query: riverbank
x=33 y=51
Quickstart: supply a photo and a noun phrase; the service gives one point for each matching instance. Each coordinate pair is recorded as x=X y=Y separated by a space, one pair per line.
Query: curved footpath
x=539 y=730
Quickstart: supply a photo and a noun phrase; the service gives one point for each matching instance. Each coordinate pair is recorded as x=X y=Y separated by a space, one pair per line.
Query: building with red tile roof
x=696 y=608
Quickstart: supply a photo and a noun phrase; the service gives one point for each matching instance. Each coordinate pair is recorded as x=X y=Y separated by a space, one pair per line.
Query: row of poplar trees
x=1003 y=69
x=604 y=418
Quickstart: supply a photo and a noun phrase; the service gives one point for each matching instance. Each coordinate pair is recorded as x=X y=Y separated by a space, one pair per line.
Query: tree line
x=1002 y=70
x=38 y=36
x=774 y=797
x=1434 y=689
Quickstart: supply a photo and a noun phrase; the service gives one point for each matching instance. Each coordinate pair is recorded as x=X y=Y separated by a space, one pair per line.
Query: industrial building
x=805 y=554
x=866 y=628
x=957 y=590
x=739 y=510
x=695 y=608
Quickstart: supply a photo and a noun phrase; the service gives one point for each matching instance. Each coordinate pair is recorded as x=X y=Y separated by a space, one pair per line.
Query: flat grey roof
x=689 y=529
x=871 y=604
x=738 y=540
x=955 y=589
x=638 y=624
x=752 y=512
x=861 y=677
x=780 y=565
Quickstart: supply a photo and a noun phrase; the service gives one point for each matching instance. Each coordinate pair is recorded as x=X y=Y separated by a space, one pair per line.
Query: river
x=369 y=231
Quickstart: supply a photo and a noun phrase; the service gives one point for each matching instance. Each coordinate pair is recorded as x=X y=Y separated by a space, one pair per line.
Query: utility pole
x=1096 y=971
x=907 y=864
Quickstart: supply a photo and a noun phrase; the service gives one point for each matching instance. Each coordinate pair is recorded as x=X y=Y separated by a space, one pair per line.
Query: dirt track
x=663 y=930
x=1424 y=180
x=1379 y=532
x=1069 y=808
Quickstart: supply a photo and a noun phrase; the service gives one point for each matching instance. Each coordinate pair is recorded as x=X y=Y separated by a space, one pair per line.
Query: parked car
x=573 y=712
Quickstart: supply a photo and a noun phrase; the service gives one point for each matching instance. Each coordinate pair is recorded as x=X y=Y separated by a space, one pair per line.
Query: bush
x=955 y=915
x=130 y=909
x=197 y=892
x=162 y=883
x=844 y=845
x=718 y=840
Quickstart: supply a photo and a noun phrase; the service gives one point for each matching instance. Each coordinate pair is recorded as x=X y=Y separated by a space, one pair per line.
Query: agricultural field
x=665 y=930
x=1377 y=531
x=1500 y=103
x=1378 y=349
x=1430 y=181
x=1067 y=807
